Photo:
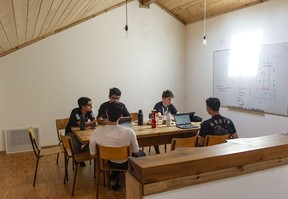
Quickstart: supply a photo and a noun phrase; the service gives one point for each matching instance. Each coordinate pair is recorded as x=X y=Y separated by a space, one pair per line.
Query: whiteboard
x=265 y=91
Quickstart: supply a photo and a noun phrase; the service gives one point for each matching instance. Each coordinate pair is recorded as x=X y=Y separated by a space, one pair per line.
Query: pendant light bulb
x=204 y=40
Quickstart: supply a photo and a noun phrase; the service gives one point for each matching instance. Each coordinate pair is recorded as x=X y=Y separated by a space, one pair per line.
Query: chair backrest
x=183 y=142
x=111 y=153
x=134 y=116
x=32 y=137
x=60 y=125
x=215 y=139
x=67 y=144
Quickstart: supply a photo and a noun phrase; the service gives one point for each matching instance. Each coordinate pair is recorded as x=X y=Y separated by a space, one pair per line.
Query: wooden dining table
x=146 y=135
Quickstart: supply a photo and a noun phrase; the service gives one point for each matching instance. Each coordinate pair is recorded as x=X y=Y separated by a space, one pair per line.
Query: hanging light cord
x=204 y=17
x=204 y=34
x=126 y=26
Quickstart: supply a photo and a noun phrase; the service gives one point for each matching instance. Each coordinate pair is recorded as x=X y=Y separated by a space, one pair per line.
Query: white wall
x=256 y=185
x=43 y=81
x=270 y=17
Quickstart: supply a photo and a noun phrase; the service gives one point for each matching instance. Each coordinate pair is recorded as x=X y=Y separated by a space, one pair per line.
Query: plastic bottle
x=82 y=122
x=140 y=117
x=153 y=123
x=169 y=119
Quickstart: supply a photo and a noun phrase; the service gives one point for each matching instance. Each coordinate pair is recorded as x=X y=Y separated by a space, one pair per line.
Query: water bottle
x=140 y=117
x=169 y=119
x=153 y=123
x=82 y=122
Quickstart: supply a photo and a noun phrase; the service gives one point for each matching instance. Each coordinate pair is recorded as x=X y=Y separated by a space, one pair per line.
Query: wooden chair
x=134 y=116
x=215 y=139
x=60 y=126
x=183 y=142
x=41 y=152
x=77 y=158
x=109 y=153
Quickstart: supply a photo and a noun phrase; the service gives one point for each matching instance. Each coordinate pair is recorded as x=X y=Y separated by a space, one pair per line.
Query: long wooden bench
x=189 y=166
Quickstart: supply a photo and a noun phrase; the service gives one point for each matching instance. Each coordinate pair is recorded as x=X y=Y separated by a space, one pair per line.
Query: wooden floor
x=17 y=172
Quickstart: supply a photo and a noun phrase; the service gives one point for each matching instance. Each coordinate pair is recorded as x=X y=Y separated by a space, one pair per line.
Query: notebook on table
x=183 y=120
x=125 y=121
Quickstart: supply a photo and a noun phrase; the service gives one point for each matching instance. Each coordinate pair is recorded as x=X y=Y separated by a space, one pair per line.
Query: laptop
x=191 y=114
x=183 y=120
x=125 y=121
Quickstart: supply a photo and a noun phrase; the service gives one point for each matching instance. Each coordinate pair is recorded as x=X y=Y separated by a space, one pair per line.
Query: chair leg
x=165 y=147
x=95 y=168
x=67 y=168
x=35 y=174
x=75 y=175
x=58 y=153
x=98 y=184
x=108 y=179
x=57 y=158
x=104 y=179
x=66 y=160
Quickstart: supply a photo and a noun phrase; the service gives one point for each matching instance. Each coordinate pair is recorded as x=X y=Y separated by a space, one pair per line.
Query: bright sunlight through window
x=244 y=54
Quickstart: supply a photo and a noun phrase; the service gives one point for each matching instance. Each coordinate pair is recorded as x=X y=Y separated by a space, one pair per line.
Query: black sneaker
x=82 y=164
x=112 y=182
x=117 y=188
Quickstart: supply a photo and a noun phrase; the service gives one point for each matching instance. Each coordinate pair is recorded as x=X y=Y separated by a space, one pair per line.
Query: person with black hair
x=217 y=125
x=114 y=96
x=114 y=135
x=164 y=107
x=84 y=110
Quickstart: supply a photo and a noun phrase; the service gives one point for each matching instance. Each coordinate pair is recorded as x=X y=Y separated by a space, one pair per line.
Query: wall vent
x=17 y=140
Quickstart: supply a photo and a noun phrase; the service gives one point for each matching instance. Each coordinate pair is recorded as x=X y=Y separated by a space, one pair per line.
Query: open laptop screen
x=182 y=118
x=125 y=121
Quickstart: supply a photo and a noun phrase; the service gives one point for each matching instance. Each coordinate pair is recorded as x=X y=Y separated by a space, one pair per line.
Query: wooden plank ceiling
x=23 y=22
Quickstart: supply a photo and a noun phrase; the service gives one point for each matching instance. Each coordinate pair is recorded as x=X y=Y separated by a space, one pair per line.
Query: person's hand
x=93 y=124
x=102 y=121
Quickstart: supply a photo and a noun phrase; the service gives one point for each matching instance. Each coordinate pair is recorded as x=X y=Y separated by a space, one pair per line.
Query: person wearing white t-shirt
x=114 y=135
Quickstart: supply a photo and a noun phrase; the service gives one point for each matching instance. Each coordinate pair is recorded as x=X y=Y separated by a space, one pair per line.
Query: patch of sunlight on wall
x=244 y=54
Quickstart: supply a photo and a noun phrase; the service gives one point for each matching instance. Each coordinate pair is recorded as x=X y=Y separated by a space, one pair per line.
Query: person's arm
x=173 y=109
x=75 y=117
x=102 y=111
x=202 y=133
x=92 y=119
x=234 y=135
x=125 y=112
x=158 y=108
x=102 y=118
x=90 y=122
x=133 y=142
x=102 y=121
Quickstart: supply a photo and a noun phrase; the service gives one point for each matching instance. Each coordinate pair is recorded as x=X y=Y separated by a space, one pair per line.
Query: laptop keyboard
x=187 y=126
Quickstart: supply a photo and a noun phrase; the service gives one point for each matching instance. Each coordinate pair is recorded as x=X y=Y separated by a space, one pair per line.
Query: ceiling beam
x=145 y=3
